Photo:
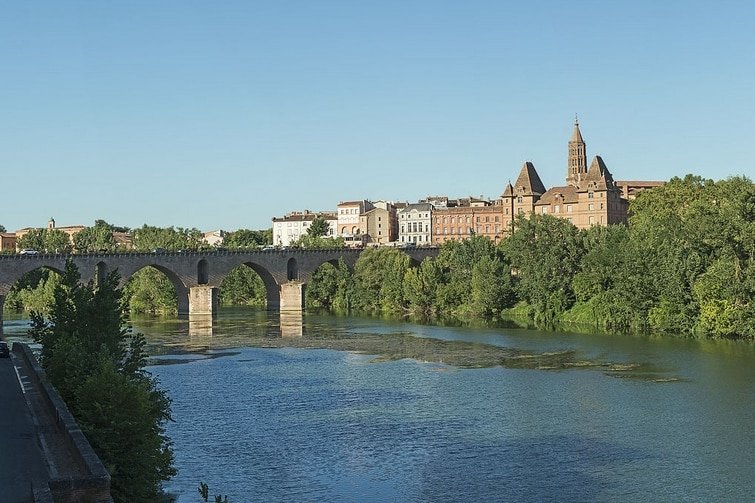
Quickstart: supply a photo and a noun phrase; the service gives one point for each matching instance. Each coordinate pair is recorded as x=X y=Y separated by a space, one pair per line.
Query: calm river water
x=293 y=424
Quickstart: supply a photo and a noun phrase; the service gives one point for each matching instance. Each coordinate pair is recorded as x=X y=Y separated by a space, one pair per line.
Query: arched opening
x=155 y=290
x=292 y=270
x=242 y=286
x=203 y=272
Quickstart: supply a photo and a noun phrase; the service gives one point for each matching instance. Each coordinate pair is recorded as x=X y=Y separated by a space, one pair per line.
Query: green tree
x=318 y=228
x=242 y=287
x=148 y=238
x=97 y=365
x=378 y=280
x=3 y=229
x=248 y=239
x=149 y=291
x=32 y=240
x=98 y=238
x=545 y=252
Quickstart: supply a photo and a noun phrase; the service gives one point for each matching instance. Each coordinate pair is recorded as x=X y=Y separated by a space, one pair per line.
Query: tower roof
x=576 y=135
x=598 y=176
x=529 y=180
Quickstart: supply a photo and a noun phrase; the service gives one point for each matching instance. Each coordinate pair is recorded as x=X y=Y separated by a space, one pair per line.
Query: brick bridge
x=197 y=275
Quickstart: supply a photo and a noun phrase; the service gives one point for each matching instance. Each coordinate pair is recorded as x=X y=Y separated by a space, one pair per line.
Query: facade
x=7 y=242
x=214 y=238
x=294 y=225
x=415 y=224
x=348 y=217
x=463 y=218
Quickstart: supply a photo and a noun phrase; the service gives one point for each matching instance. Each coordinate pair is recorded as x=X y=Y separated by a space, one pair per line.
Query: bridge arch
x=182 y=291
x=272 y=293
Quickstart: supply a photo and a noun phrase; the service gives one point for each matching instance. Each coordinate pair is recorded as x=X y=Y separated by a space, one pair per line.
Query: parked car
x=28 y=251
x=4 y=351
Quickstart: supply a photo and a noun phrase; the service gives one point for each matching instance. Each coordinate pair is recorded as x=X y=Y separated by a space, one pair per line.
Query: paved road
x=20 y=458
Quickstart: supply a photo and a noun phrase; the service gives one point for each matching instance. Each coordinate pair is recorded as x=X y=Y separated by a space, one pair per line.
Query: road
x=20 y=457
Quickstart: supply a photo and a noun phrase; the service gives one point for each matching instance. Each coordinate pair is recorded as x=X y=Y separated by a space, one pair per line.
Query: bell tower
x=577 y=167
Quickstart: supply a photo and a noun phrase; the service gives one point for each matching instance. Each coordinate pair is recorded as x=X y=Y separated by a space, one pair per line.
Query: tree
x=242 y=287
x=545 y=252
x=248 y=239
x=150 y=291
x=95 y=239
x=32 y=240
x=148 y=238
x=2 y=228
x=97 y=365
x=318 y=228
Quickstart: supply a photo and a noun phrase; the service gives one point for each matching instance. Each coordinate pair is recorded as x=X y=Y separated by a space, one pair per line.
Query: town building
x=214 y=238
x=294 y=225
x=415 y=224
x=463 y=218
x=7 y=242
x=591 y=196
x=379 y=225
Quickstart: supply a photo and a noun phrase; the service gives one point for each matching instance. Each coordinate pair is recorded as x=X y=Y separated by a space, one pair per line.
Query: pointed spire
x=576 y=135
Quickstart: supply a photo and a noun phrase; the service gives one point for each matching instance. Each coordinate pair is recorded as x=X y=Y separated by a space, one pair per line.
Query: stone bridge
x=197 y=275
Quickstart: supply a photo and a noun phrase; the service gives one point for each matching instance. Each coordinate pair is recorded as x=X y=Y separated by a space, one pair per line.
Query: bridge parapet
x=188 y=270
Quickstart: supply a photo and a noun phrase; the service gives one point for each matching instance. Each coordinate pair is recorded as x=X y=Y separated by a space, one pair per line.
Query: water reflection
x=291 y=324
x=200 y=325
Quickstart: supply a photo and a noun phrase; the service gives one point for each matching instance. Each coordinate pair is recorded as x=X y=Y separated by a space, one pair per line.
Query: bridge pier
x=292 y=296
x=203 y=299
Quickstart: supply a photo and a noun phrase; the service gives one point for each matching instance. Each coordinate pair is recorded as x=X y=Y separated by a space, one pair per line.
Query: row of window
x=414 y=227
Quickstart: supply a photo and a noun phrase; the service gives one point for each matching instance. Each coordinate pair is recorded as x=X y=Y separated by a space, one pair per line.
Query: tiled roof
x=558 y=195
x=529 y=180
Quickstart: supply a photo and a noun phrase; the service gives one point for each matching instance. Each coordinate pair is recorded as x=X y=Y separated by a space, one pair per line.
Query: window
x=591 y=206
x=497 y=218
x=592 y=220
x=568 y=208
x=557 y=209
x=590 y=195
x=519 y=199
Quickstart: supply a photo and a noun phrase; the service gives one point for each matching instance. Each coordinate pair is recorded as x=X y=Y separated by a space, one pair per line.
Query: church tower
x=577 y=168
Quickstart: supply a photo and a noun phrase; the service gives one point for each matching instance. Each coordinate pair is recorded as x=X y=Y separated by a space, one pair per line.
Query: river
x=633 y=419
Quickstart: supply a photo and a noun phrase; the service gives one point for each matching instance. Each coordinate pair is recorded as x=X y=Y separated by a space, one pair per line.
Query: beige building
x=7 y=242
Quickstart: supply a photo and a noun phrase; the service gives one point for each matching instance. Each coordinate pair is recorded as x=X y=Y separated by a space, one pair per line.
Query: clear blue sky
x=223 y=114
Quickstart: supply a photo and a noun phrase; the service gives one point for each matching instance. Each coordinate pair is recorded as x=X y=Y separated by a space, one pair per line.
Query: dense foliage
x=45 y=240
x=685 y=265
x=97 y=365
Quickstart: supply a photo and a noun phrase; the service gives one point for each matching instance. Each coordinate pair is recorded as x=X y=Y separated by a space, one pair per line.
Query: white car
x=27 y=251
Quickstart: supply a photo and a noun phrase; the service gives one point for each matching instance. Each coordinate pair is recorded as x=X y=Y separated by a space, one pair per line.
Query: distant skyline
x=226 y=114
